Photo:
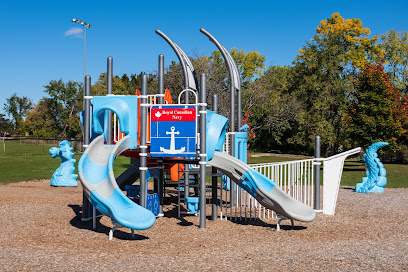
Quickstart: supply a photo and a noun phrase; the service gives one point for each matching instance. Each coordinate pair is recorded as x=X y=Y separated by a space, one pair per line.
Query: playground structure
x=184 y=139
x=375 y=180
x=64 y=175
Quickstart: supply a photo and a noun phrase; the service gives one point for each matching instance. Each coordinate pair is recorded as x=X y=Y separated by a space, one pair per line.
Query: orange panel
x=176 y=171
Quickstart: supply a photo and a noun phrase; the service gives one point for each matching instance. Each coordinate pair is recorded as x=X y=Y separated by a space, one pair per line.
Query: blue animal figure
x=375 y=180
x=65 y=173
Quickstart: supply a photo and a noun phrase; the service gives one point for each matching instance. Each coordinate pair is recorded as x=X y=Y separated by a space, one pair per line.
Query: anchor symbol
x=172 y=149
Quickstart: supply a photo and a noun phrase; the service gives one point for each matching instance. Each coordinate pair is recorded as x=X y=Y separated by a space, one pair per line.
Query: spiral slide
x=95 y=170
x=263 y=189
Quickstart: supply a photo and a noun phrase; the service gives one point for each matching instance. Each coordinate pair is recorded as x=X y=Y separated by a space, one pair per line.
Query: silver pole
x=143 y=143
x=160 y=160
x=232 y=147
x=239 y=110
x=317 y=174
x=232 y=104
x=109 y=77
x=85 y=25
x=203 y=155
x=214 y=185
x=84 y=50
x=87 y=137
x=161 y=79
x=87 y=111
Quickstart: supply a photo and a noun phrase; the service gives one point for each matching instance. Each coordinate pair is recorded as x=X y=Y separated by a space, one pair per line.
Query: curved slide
x=95 y=170
x=263 y=189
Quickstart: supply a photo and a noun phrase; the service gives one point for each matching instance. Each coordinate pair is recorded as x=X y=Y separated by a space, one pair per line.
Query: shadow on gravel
x=347 y=188
x=78 y=223
x=261 y=223
x=173 y=213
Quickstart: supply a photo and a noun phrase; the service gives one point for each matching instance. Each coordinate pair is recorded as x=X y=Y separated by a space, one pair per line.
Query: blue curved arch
x=125 y=107
x=216 y=132
x=120 y=108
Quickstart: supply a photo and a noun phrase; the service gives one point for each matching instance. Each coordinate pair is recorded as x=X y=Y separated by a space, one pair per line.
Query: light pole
x=87 y=92
x=75 y=20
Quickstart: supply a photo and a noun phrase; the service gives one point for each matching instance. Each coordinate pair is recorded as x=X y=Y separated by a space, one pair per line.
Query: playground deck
x=42 y=231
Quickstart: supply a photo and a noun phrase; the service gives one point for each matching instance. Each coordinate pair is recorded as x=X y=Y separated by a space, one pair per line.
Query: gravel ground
x=42 y=231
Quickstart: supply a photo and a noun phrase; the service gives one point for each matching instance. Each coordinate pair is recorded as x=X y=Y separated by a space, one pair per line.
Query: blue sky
x=35 y=47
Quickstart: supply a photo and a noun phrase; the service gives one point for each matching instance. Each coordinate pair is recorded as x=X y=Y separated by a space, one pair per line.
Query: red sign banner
x=173 y=114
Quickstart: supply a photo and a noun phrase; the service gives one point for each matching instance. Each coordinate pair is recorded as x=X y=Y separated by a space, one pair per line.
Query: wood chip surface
x=41 y=230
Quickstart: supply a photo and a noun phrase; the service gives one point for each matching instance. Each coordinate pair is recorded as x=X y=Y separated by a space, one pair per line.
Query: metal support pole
x=230 y=68
x=239 y=110
x=87 y=137
x=232 y=142
x=203 y=154
x=109 y=77
x=186 y=180
x=187 y=97
x=214 y=179
x=143 y=143
x=84 y=50
x=87 y=112
x=317 y=174
x=160 y=160
x=161 y=79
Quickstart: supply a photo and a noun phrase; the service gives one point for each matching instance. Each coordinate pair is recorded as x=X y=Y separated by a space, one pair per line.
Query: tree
x=395 y=45
x=272 y=111
x=323 y=75
x=357 y=48
x=42 y=120
x=378 y=112
x=122 y=85
x=17 y=107
x=118 y=87
x=5 y=124
x=250 y=65
x=64 y=103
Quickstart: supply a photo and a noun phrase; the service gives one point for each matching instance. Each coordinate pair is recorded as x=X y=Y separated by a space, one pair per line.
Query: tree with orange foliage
x=378 y=111
x=323 y=76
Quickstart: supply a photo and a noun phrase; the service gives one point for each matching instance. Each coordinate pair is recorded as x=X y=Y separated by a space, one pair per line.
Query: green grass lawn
x=354 y=171
x=30 y=160
x=22 y=168
x=30 y=163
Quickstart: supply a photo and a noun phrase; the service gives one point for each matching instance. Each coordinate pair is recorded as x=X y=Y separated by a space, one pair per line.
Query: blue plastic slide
x=263 y=189
x=95 y=170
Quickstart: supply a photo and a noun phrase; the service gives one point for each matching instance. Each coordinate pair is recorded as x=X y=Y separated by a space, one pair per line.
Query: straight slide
x=263 y=189
x=95 y=170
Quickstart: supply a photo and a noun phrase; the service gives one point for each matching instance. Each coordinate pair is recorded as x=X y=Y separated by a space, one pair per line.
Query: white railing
x=227 y=143
x=117 y=134
x=296 y=178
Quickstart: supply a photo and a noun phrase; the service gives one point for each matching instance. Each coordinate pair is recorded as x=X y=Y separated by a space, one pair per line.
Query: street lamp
x=85 y=25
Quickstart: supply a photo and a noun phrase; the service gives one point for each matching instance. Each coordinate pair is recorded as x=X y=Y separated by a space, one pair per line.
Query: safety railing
x=227 y=143
x=295 y=178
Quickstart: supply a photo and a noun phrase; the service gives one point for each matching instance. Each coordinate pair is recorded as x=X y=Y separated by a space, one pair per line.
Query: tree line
x=343 y=85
